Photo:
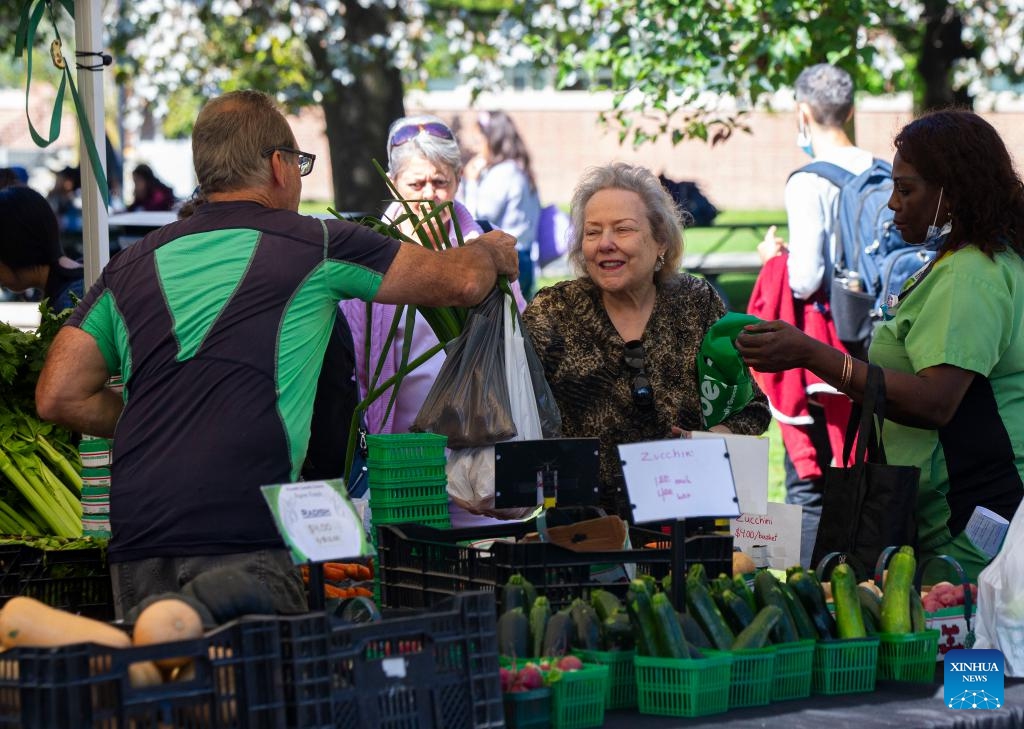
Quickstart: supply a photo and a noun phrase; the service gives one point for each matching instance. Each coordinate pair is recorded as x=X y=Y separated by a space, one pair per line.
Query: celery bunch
x=40 y=485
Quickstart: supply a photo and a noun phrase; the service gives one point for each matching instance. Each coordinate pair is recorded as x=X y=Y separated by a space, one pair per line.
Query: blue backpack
x=872 y=259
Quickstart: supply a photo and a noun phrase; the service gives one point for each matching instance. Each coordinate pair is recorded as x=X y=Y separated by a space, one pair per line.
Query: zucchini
x=652 y=584
x=617 y=633
x=767 y=592
x=870 y=602
x=917 y=617
x=808 y=590
x=586 y=624
x=756 y=634
x=697 y=572
x=666 y=584
x=795 y=569
x=640 y=585
x=513 y=594
x=668 y=634
x=736 y=611
x=605 y=603
x=692 y=631
x=513 y=634
x=741 y=588
x=646 y=636
x=870 y=626
x=703 y=608
x=804 y=627
x=558 y=635
x=896 y=595
x=849 y=620
x=540 y=614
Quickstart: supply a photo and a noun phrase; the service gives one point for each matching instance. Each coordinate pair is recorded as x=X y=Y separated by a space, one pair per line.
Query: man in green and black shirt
x=218 y=324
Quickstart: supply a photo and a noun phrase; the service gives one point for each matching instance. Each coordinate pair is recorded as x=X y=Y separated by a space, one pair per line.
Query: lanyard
x=31 y=15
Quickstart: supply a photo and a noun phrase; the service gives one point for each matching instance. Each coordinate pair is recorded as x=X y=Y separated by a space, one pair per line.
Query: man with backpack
x=817 y=417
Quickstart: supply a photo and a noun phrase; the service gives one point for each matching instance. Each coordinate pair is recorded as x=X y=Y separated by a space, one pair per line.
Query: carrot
x=335 y=571
x=346 y=592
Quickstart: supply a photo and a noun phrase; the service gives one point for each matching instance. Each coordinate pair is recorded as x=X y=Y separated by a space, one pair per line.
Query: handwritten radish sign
x=678 y=478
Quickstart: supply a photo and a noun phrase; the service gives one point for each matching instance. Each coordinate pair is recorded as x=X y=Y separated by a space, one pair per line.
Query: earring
x=661 y=262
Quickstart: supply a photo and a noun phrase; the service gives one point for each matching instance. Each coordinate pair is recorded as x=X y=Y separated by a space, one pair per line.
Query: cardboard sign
x=317 y=521
x=748 y=458
x=678 y=478
x=777 y=530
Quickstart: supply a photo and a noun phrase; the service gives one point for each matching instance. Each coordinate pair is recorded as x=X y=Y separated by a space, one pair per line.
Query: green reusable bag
x=723 y=378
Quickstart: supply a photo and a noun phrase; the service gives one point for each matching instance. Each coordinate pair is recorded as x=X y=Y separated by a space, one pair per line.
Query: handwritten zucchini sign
x=317 y=521
x=678 y=478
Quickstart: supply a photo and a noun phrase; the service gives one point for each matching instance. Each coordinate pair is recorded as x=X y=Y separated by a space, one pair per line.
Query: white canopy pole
x=95 y=228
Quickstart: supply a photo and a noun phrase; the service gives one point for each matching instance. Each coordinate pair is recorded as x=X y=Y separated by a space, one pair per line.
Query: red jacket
x=789 y=391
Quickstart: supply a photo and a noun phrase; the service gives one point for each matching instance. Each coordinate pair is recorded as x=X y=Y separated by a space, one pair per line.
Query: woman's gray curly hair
x=663 y=214
x=438 y=151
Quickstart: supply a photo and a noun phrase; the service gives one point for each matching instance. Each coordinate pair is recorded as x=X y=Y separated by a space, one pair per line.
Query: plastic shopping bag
x=1000 y=620
x=469 y=400
x=470 y=471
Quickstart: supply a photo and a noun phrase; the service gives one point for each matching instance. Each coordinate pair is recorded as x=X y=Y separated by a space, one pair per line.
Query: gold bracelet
x=847 y=374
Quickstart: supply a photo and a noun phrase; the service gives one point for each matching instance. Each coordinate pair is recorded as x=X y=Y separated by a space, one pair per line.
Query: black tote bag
x=870 y=505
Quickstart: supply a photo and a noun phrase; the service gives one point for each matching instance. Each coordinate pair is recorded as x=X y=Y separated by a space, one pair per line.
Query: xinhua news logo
x=973 y=679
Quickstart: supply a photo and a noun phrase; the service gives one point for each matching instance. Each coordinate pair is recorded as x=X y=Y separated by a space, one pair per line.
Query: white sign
x=317 y=521
x=777 y=530
x=748 y=457
x=678 y=478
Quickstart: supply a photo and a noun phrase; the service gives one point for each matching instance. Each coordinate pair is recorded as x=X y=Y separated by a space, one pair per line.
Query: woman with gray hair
x=619 y=343
x=424 y=164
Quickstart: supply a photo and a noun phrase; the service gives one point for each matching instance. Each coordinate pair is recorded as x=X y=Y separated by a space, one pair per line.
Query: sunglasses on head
x=641 y=390
x=410 y=131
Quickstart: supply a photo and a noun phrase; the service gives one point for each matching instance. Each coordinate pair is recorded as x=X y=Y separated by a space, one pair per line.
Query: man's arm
x=460 y=276
x=807 y=235
x=72 y=386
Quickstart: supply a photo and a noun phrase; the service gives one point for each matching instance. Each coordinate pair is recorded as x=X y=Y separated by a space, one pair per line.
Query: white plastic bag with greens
x=1000 y=619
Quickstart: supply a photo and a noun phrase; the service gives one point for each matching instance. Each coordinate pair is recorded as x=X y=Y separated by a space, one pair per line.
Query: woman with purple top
x=425 y=164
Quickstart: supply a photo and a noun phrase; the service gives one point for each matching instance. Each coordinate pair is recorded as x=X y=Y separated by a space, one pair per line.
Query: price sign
x=679 y=478
x=317 y=521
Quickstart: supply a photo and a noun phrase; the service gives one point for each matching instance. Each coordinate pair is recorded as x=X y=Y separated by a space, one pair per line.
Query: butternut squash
x=25 y=621
x=168 y=621
x=144 y=674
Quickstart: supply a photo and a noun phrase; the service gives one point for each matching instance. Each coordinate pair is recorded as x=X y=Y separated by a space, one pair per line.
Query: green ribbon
x=31 y=15
x=723 y=378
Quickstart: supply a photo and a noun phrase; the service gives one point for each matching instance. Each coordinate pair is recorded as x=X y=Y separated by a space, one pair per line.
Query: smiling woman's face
x=914 y=202
x=617 y=246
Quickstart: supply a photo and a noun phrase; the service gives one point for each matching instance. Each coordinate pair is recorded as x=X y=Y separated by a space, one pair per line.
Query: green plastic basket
x=907 y=656
x=793 y=665
x=393 y=449
x=845 y=666
x=418 y=513
x=683 y=686
x=528 y=709
x=577 y=698
x=750 y=682
x=621 y=693
x=428 y=472
x=392 y=496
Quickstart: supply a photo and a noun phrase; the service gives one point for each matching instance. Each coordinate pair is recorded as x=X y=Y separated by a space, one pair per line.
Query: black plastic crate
x=76 y=580
x=436 y=668
x=237 y=684
x=419 y=565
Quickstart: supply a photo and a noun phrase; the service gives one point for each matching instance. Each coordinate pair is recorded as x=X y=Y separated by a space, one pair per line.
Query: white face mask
x=935 y=234
x=803 y=139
